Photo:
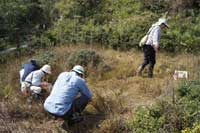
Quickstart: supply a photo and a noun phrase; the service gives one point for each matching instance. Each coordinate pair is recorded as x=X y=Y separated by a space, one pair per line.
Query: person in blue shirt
x=27 y=68
x=69 y=95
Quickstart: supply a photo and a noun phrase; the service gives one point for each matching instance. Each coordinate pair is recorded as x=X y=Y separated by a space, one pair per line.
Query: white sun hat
x=79 y=69
x=46 y=68
x=163 y=21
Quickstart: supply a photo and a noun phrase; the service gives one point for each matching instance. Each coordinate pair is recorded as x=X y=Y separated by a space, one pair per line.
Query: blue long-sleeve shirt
x=65 y=89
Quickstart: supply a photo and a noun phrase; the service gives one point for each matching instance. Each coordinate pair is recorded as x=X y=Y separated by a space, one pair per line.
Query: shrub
x=93 y=63
x=144 y=121
x=160 y=117
x=115 y=24
x=46 y=58
x=156 y=6
x=190 y=90
x=84 y=58
x=166 y=116
x=195 y=129
x=184 y=37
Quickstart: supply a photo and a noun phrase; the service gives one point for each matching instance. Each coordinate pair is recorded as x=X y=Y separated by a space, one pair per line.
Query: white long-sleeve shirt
x=154 y=36
x=35 y=77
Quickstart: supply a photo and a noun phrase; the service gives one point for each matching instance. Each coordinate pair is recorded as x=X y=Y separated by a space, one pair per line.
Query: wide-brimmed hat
x=163 y=21
x=79 y=69
x=46 y=68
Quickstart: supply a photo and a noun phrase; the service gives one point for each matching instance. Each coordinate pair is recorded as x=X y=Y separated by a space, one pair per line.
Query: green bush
x=183 y=35
x=47 y=58
x=84 y=58
x=67 y=31
x=166 y=116
x=156 y=6
x=144 y=121
x=194 y=129
x=190 y=90
x=116 y=24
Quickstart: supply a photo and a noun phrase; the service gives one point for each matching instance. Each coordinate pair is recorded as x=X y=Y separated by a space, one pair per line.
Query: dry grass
x=116 y=93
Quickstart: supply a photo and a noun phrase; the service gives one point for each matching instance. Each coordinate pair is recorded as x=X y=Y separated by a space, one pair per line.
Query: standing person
x=34 y=81
x=152 y=46
x=28 y=68
x=63 y=101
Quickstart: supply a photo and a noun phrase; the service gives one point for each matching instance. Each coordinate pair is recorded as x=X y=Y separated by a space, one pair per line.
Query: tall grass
x=117 y=92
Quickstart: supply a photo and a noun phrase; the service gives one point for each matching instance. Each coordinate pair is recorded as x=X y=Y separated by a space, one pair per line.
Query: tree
x=20 y=19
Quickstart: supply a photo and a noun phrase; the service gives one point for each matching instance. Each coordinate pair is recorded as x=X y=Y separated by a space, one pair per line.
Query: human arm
x=29 y=78
x=84 y=89
x=156 y=47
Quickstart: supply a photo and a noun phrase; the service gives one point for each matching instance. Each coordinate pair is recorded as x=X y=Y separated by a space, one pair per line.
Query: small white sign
x=180 y=74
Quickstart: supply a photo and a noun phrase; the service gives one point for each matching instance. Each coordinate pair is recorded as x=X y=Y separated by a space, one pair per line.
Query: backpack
x=145 y=38
x=28 y=68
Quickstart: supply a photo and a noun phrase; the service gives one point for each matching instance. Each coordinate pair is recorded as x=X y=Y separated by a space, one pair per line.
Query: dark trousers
x=78 y=105
x=149 y=58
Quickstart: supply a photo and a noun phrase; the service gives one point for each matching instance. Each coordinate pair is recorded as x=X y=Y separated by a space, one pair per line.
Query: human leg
x=152 y=62
x=36 y=92
x=79 y=104
x=77 y=107
x=146 y=60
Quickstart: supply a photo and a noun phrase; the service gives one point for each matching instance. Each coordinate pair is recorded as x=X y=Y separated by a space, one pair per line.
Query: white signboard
x=180 y=74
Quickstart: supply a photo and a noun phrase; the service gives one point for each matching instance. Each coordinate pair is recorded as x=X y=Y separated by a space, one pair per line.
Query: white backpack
x=145 y=38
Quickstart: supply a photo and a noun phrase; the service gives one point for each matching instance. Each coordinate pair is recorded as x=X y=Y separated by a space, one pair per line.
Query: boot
x=139 y=71
x=75 y=118
x=150 y=73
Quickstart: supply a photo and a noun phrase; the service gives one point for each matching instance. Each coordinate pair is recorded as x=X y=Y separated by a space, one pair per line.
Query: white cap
x=163 y=21
x=46 y=68
x=79 y=69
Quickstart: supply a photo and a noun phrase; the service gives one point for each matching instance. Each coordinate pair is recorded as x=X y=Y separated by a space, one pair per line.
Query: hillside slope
x=117 y=93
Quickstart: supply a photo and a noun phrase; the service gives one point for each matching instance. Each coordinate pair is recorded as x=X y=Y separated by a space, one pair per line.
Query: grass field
x=117 y=93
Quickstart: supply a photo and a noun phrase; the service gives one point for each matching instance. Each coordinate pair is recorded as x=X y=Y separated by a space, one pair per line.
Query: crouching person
x=69 y=96
x=33 y=84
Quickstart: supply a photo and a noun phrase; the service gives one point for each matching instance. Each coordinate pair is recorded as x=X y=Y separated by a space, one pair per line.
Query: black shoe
x=65 y=126
x=37 y=97
x=76 y=118
x=150 y=73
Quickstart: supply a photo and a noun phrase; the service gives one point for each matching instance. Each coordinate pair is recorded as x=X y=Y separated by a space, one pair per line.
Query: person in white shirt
x=152 y=46
x=34 y=79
